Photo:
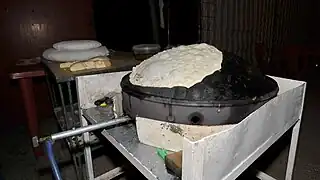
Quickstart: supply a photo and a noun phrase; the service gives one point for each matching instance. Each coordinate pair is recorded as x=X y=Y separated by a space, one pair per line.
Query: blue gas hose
x=53 y=163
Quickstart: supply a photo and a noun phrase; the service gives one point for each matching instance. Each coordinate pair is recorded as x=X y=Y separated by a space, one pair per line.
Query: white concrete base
x=170 y=135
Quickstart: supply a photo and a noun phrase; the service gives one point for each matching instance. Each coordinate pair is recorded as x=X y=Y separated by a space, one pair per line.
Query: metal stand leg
x=292 y=150
x=87 y=152
x=77 y=166
x=51 y=92
x=65 y=115
x=154 y=4
x=72 y=118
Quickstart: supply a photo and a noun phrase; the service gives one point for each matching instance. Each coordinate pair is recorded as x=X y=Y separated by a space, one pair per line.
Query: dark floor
x=17 y=161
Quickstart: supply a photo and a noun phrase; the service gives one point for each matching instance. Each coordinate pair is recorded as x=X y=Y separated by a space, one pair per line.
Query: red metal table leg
x=26 y=86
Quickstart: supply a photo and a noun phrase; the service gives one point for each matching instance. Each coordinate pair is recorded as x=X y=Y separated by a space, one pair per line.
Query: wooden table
x=25 y=74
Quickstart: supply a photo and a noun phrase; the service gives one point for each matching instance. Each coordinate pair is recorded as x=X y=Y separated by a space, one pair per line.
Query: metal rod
x=54 y=95
x=111 y=174
x=153 y=5
x=65 y=115
x=77 y=166
x=167 y=7
x=71 y=105
x=69 y=133
x=264 y=176
x=50 y=91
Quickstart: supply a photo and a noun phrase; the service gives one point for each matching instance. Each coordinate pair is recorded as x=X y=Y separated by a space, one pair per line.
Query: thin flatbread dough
x=94 y=63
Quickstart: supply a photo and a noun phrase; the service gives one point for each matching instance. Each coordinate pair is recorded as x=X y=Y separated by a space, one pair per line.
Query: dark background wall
x=121 y=24
x=310 y=22
x=184 y=23
x=27 y=28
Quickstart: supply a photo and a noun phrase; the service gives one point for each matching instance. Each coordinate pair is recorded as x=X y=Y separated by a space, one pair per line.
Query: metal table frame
x=65 y=102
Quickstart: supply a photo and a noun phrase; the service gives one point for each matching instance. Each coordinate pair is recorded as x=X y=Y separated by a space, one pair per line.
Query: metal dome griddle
x=224 y=97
